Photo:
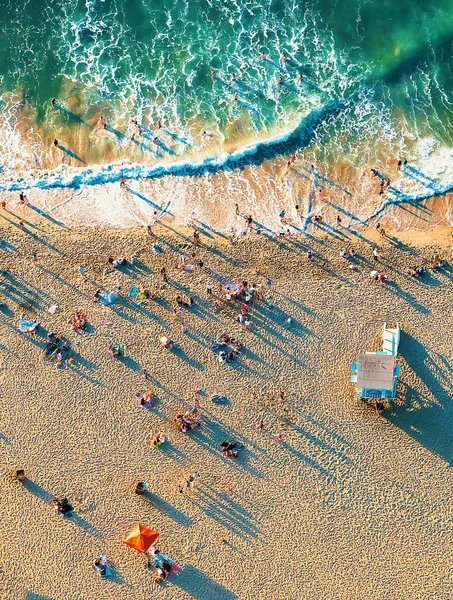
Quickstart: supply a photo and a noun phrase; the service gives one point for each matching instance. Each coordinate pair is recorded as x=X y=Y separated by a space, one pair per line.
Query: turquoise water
x=388 y=63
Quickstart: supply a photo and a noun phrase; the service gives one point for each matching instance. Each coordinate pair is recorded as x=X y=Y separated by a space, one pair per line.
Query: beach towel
x=108 y=298
x=133 y=292
x=25 y=325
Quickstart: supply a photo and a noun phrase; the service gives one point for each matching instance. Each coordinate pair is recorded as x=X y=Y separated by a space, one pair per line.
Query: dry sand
x=350 y=505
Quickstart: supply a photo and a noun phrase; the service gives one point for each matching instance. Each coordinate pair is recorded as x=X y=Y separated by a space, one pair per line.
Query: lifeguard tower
x=376 y=373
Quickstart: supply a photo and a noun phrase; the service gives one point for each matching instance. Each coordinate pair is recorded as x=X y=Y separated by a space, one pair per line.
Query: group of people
x=56 y=348
x=120 y=261
x=79 y=321
x=156 y=440
x=231 y=449
x=226 y=348
x=145 y=399
x=116 y=350
x=188 y=421
x=164 y=565
x=63 y=507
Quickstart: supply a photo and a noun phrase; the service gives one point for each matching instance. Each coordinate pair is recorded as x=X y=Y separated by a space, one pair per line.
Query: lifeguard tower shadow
x=426 y=421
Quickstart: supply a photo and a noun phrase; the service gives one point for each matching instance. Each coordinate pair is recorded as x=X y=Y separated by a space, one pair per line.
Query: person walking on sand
x=261 y=426
x=55 y=143
x=376 y=254
x=123 y=182
x=237 y=209
x=338 y=220
x=35 y=258
x=163 y=272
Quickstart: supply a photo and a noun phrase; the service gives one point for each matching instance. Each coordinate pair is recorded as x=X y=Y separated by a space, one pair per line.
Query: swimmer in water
x=263 y=56
x=213 y=74
x=102 y=122
x=235 y=98
x=54 y=101
x=300 y=78
x=159 y=124
x=233 y=78
x=280 y=80
x=284 y=59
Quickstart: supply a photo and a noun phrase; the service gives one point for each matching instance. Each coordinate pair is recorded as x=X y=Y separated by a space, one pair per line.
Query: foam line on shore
x=252 y=155
x=402 y=198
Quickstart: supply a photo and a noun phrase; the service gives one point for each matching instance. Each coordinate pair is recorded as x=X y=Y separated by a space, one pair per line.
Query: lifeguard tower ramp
x=391 y=340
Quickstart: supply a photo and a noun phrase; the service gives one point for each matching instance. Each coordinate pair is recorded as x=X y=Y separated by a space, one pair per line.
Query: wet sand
x=348 y=505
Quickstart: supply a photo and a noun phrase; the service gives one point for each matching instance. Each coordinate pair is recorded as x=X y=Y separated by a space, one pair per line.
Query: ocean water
x=376 y=82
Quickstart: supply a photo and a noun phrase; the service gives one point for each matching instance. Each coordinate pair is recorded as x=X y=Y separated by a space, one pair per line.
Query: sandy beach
x=346 y=504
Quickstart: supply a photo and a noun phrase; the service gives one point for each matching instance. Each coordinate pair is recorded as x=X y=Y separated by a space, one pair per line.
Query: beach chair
x=353 y=378
x=354 y=367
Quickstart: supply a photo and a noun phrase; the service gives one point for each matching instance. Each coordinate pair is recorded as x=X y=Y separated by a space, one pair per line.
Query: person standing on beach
x=163 y=272
x=123 y=182
x=261 y=426
x=237 y=209
x=376 y=254
x=35 y=258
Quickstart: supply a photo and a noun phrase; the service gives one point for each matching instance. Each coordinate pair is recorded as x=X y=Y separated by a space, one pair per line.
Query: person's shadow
x=200 y=586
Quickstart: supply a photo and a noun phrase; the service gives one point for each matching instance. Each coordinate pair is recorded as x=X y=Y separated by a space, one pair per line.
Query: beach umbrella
x=141 y=538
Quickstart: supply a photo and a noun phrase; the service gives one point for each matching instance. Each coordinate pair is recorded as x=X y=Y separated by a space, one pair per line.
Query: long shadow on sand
x=200 y=586
x=430 y=426
x=44 y=496
x=226 y=511
x=168 y=509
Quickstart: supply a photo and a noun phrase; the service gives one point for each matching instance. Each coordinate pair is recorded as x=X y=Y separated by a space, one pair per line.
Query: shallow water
x=385 y=66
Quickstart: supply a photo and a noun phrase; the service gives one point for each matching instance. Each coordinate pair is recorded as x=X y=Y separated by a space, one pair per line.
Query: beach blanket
x=25 y=325
x=108 y=298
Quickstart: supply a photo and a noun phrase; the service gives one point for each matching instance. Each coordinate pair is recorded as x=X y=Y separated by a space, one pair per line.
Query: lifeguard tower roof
x=375 y=371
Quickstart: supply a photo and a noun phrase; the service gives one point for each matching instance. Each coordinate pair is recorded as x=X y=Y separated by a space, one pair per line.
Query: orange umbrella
x=141 y=538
